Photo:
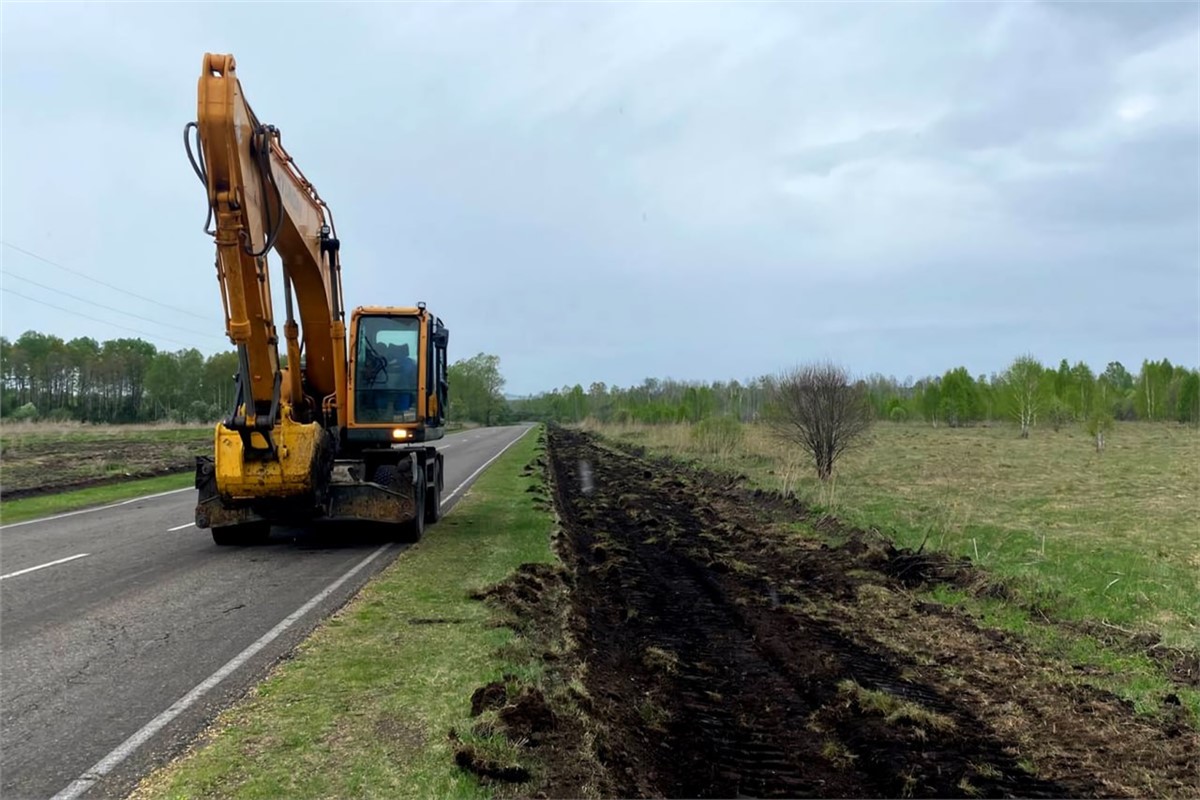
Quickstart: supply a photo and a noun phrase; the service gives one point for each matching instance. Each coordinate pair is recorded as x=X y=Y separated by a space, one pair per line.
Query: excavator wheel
x=242 y=535
x=433 y=500
x=414 y=529
x=397 y=480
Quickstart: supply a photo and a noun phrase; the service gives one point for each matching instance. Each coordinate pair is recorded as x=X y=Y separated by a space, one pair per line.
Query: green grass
x=365 y=707
x=1127 y=672
x=1106 y=536
x=893 y=708
x=47 y=505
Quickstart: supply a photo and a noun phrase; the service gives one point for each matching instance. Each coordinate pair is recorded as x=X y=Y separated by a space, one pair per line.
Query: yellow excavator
x=342 y=429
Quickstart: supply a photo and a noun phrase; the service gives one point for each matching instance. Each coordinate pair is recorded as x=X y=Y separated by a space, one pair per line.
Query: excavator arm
x=260 y=201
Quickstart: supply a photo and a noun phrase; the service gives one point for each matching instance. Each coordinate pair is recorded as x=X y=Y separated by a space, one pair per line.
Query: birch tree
x=1022 y=380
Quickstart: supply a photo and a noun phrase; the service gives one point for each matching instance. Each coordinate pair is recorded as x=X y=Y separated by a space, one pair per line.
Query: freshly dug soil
x=725 y=653
x=729 y=655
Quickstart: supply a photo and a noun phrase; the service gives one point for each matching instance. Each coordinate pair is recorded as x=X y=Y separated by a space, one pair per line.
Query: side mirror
x=442 y=337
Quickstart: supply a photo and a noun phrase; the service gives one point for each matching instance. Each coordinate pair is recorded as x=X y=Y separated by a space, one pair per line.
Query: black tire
x=251 y=533
x=412 y=530
x=433 y=499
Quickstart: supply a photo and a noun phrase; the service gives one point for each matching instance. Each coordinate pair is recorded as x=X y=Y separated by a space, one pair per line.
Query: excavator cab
x=398 y=383
x=385 y=381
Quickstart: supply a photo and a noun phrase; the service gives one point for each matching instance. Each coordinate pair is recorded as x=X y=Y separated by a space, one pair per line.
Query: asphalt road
x=96 y=648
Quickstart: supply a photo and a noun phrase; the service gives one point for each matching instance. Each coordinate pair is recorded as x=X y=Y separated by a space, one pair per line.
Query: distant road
x=109 y=617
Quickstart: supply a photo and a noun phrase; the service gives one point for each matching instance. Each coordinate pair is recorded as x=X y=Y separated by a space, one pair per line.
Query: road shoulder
x=365 y=706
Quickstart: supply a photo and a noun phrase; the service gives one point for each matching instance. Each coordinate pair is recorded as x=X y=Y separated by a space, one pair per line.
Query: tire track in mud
x=724 y=660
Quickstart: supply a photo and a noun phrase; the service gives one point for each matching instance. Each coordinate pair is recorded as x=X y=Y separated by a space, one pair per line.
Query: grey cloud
x=1129 y=18
x=610 y=191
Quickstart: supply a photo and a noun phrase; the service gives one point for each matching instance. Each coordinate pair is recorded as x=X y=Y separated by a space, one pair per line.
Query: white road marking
x=180 y=527
x=127 y=747
x=107 y=764
x=43 y=566
x=471 y=477
x=98 y=508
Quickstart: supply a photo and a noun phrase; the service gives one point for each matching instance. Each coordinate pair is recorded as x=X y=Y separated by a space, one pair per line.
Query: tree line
x=1027 y=392
x=43 y=376
x=116 y=381
x=123 y=380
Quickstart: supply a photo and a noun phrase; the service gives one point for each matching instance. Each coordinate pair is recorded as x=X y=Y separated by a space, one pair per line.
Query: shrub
x=26 y=412
x=59 y=415
x=818 y=409
x=1059 y=414
x=717 y=436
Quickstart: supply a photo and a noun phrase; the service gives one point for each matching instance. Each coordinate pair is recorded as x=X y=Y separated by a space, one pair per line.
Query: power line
x=7 y=290
x=85 y=276
x=107 y=308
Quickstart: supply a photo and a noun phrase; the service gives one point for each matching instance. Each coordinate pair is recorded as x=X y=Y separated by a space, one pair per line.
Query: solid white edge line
x=486 y=464
x=180 y=527
x=122 y=751
x=98 y=508
x=43 y=566
x=127 y=747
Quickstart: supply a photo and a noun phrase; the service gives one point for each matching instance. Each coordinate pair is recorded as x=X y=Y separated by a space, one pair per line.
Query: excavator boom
x=339 y=433
x=261 y=201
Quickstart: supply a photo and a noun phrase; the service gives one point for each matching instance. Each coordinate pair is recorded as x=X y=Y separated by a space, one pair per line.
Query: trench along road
x=124 y=629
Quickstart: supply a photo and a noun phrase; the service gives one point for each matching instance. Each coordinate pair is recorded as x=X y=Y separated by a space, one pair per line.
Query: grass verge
x=365 y=707
x=28 y=508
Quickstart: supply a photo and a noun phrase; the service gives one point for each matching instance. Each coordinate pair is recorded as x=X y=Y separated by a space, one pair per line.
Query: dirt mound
x=546 y=720
x=528 y=718
x=728 y=655
x=473 y=759
x=521 y=595
x=489 y=698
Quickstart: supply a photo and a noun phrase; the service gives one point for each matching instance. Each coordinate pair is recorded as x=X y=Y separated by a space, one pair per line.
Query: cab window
x=385 y=381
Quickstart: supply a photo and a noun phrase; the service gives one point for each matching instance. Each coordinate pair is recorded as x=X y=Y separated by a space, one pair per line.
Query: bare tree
x=816 y=407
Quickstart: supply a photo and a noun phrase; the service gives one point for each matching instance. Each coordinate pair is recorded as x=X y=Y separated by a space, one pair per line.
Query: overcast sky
x=615 y=191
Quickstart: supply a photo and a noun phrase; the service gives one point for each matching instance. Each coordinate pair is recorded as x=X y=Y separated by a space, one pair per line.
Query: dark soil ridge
x=547 y=721
x=725 y=656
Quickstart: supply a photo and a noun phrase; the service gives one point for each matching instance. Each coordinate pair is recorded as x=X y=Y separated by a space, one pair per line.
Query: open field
x=1108 y=538
x=45 y=458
